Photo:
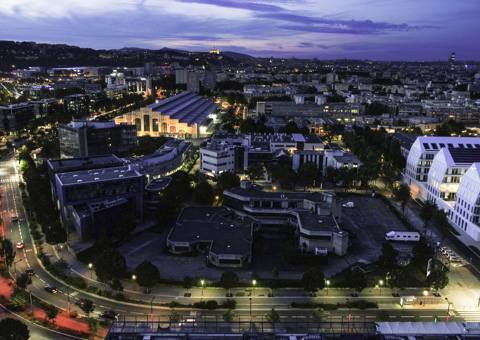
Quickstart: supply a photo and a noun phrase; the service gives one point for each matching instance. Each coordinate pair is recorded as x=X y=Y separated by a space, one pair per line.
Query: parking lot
x=368 y=222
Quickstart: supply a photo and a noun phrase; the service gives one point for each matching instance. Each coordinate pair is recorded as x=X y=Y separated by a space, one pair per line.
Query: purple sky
x=364 y=29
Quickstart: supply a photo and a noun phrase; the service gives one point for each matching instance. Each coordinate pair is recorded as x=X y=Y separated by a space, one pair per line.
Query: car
x=19 y=245
x=349 y=205
x=14 y=218
x=30 y=271
x=109 y=314
x=79 y=302
x=51 y=288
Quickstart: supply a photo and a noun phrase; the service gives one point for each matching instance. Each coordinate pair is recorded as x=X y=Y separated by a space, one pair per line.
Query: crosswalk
x=9 y=180
x=469 y=315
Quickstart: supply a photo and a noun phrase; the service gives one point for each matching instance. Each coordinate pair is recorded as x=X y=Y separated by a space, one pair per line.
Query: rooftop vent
x=79 y=181
x=97 y=178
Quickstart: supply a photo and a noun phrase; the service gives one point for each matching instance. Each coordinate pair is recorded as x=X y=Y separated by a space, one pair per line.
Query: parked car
x=51 y=288
x=14 y=218
x=30 y=271
x=349 y=205
x=19 y=245
x=109 y=314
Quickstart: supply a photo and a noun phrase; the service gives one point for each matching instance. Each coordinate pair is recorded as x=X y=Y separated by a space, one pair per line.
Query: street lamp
x=349 y=310
x=328 y=285
x=425 y=294
x=448 y=309
x=151 y=307
x=68 y=298
x=250 y=299
x=254 y=283
x=202 y=282
x=31 y=302
x=15 y=265
x=380 y=283
x=90 y=266
x=134 y=277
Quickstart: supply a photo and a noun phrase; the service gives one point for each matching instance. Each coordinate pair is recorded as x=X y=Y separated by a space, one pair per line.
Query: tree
x=7 y=252
x=428 y=211
x=438 y=279
x=356 y=279
x=94 y=325
x=388 y=258
x=272 y=316
x=422 y=252
x=226 y=181
x=116 y=285
x=110 y=265
x=308 y=173
x=19 y=298
x=313 y=280
x=319 y=315
x=87 y=306
x=229 y=280
x=402 y=194
x=147 y=274
x=395 y=279
x=13 y=329
x=23 y=280
x=254 y=172
x=51 y=313
x=187 y=282
x=229 y=315
x=174 y=316
x=441 y=221
x=203 y=193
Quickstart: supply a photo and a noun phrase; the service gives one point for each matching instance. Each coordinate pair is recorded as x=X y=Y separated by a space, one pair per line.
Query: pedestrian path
x=470 y=315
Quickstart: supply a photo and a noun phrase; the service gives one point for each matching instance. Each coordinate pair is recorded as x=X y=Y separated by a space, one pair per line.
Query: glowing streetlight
x=328 y=285
x=202 y=282
x=274 y=187
x=425 y=294
x=134 y=277
x=254 y=284
x=90 y=266
x=380 y=283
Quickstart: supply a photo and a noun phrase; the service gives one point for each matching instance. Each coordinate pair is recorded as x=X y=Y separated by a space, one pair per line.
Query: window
x=426 y=146
x=155 y=125
x=434 y=146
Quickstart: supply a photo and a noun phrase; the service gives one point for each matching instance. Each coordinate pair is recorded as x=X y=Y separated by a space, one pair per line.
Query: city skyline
x=368 y=29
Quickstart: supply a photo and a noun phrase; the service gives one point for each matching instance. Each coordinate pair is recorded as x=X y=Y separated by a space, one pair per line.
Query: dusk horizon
x=373 y=30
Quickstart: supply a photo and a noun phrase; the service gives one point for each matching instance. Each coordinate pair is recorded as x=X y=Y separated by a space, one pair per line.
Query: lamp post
x=134 y=277
x=328 y=285
x=31 y=301
x=202 y=282
x=15 y=266
x=90 y=266
x=254 y=283
x=380 y=283
x=250 y=299
x=151 y=307
x=68 y=298
x=448 y=309
x=425 y=294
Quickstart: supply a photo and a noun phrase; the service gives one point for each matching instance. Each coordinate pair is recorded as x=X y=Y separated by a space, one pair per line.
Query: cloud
x=322 y=25
x=251 y=6
x=305 y=44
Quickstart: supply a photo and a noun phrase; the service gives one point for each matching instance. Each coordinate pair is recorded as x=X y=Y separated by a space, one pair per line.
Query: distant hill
x=236 y=55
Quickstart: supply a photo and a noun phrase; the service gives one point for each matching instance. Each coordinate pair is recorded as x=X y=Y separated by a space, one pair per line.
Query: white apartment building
x=466 y=213
x=444 y=170
x=421 y=155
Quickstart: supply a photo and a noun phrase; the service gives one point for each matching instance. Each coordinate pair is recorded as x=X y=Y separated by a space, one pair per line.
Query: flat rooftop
x=316 y=222
x=91 y=176
x=59 y=165
x=258 y=193
x=229 y=234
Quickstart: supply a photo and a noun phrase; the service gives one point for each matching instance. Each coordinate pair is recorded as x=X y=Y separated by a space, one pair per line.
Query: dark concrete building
x=88 y=138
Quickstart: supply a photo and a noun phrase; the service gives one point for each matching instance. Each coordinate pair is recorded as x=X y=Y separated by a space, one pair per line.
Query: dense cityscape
x=168 y=193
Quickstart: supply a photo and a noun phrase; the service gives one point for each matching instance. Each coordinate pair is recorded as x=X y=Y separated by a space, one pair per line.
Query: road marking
x=41 y=280
x=136 y=313
x=407 y=316
x=425 y=316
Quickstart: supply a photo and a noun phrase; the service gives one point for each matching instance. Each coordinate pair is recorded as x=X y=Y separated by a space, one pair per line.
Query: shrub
x=174 y=304
x=92 y=289
x=104 y=292
x=119 y=297
x=73 y=314
x=45 y=261
x=229 y=304
x=211 y=304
